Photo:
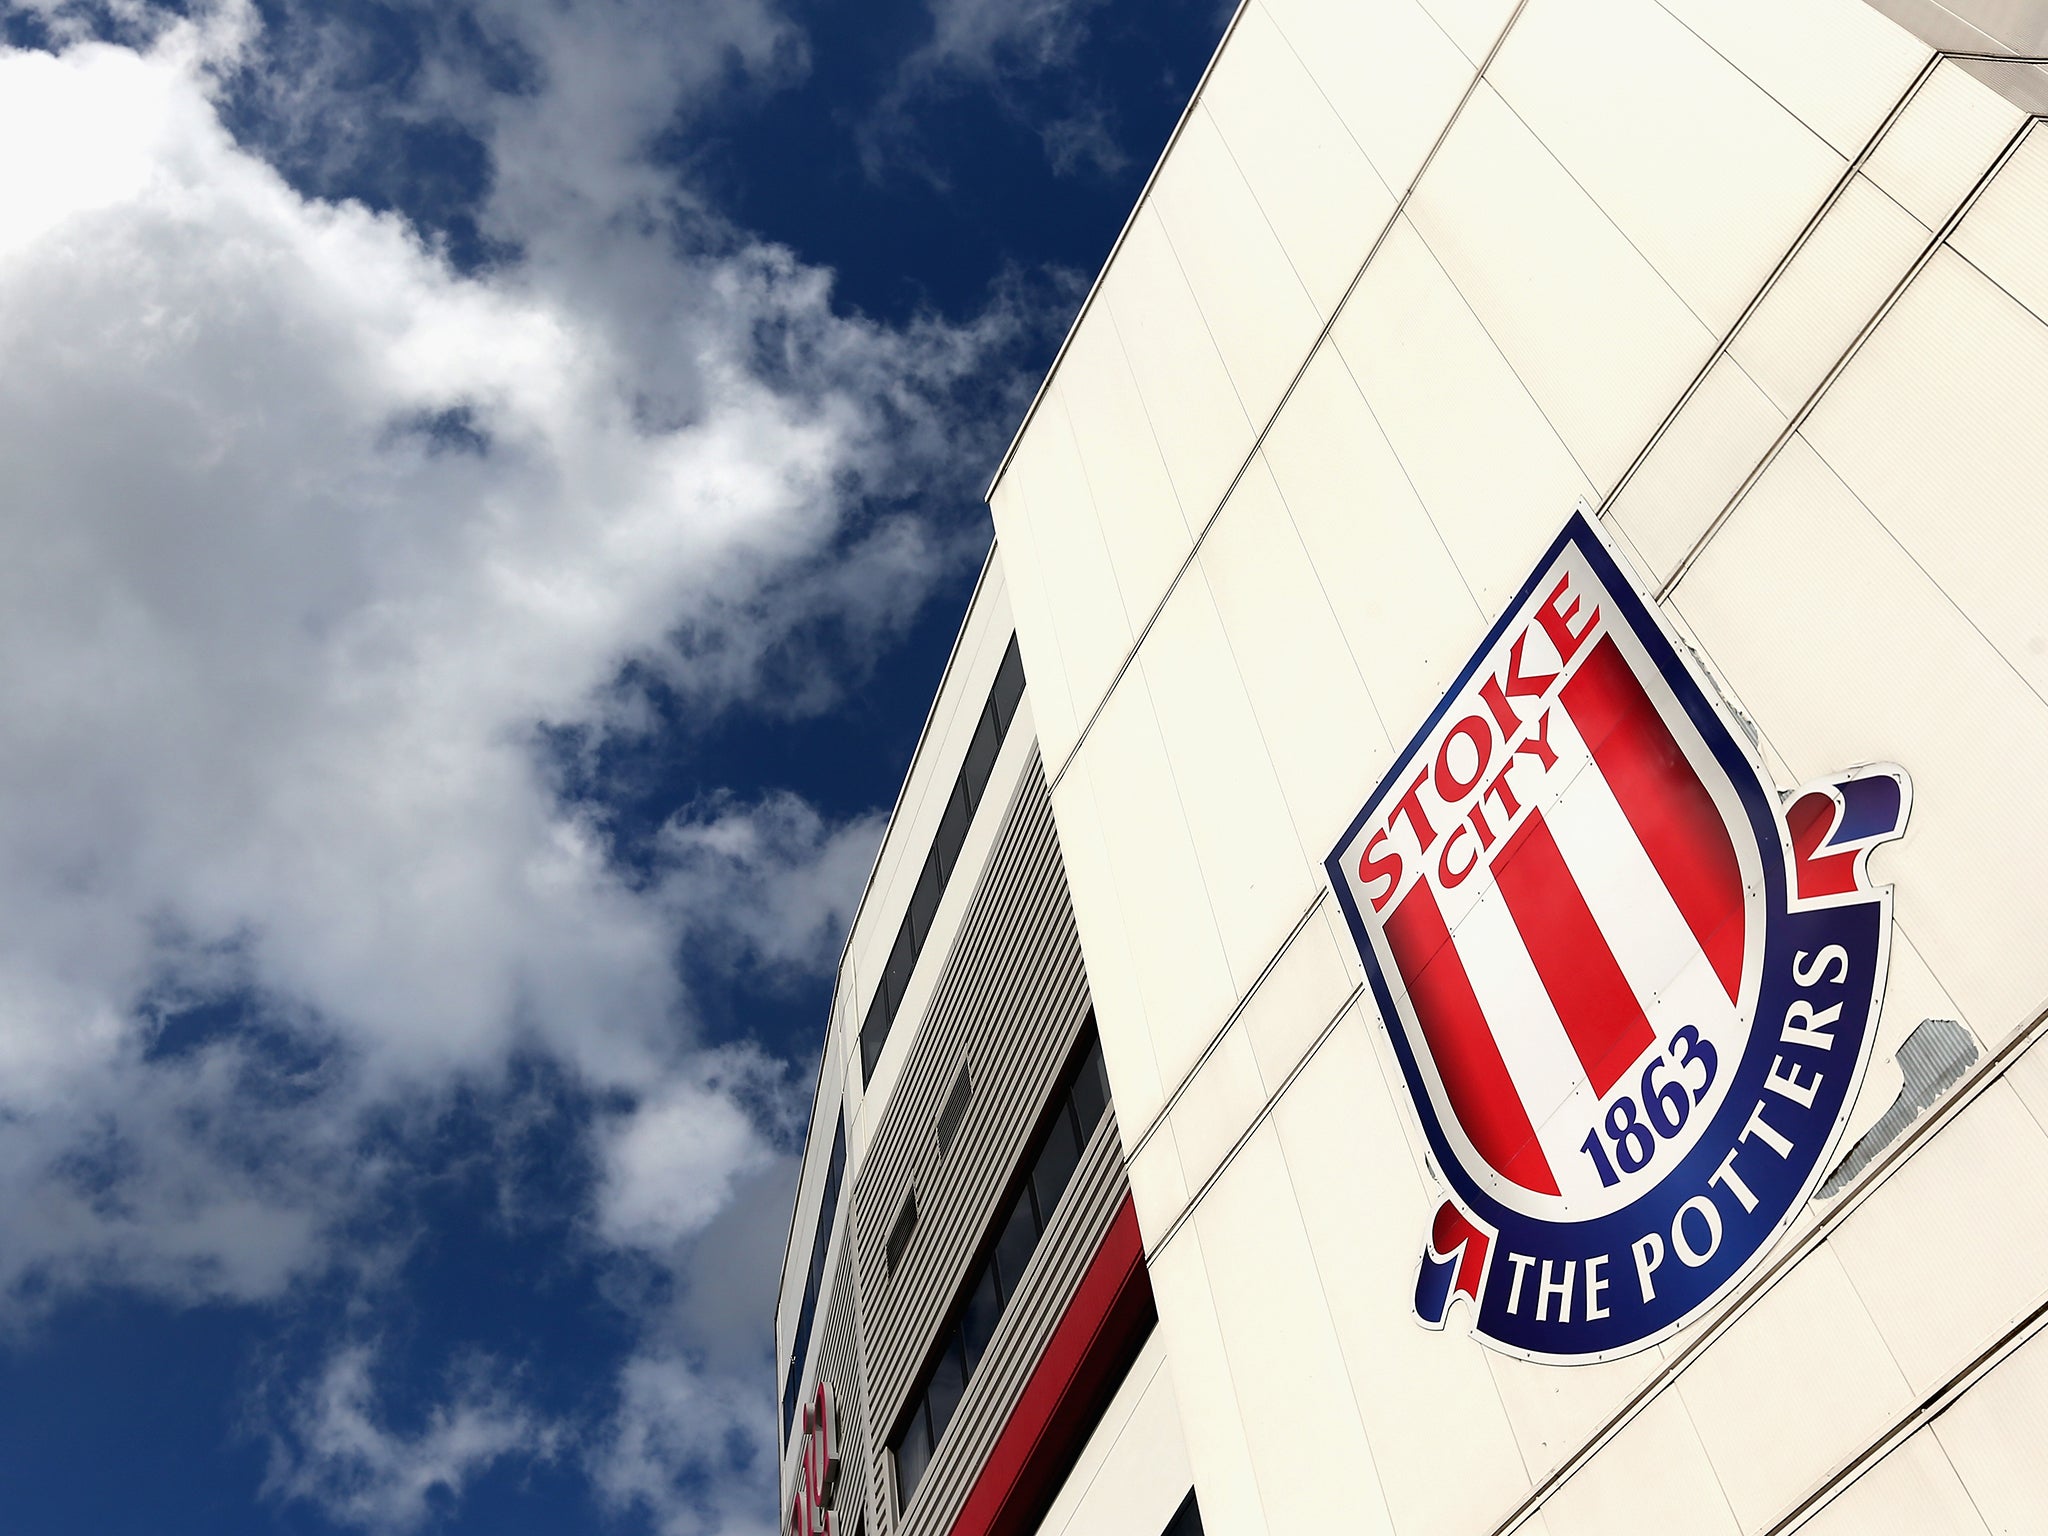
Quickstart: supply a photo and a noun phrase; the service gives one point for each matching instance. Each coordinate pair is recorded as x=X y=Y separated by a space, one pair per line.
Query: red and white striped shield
x=1563 y=880
x=1577 y=894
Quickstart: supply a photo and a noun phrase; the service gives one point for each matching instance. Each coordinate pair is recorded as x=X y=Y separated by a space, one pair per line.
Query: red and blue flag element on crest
x=1631 y=986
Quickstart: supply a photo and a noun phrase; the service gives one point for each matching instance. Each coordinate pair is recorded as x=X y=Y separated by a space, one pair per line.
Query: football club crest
x=1631 y=985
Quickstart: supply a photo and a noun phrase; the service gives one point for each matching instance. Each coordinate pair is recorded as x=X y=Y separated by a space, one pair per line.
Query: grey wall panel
x=1011 y=1002
x=839 y=1363
x=1077 y=1229
x=1011 y=998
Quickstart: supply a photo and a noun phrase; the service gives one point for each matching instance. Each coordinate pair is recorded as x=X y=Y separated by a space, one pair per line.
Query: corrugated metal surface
x=1010 y=1004
x=1056 y=1268
x=839 y=1363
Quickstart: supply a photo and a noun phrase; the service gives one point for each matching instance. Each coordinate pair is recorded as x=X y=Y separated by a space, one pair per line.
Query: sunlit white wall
x=1768 y=285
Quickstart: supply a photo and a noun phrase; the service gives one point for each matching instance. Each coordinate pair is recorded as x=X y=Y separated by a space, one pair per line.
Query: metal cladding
x=1527 y=571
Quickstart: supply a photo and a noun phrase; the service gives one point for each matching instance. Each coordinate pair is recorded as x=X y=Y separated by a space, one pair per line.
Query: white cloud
x=988 y=37
x=304 y=536
x=690 y=1441
x=670 y=1166
x=671 y=1450
x=774 y=876
x=999 y=49
x=271 y=656
x=334 y=1448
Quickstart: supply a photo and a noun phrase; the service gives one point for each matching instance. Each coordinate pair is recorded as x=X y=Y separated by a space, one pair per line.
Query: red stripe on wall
x=1674 y=817
x=1601 y=1014
x=1482 y=1094
x=1084 y=1361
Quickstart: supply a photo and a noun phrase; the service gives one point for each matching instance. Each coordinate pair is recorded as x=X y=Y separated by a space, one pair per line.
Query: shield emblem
x=1631 y=987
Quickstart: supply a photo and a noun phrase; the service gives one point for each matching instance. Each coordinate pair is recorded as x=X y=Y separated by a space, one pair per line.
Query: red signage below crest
x=817 y=1467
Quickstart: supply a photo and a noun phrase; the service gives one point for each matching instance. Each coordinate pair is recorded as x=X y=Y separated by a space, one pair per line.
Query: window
x=1187 y=1520
x=982 y=750
x=924 y=901
x=1045 y=1170
x=954 y=1110
x=800 y=1345
x=899 y=1235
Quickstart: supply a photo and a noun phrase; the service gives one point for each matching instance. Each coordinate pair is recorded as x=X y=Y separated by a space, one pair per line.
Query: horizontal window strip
x=1006 y=1249
x=968 y=787
x=828 y=1209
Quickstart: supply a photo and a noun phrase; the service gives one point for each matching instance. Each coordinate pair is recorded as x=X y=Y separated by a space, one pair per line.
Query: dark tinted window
x=1055 y=1165
x=996 y=714
x=949 y=1380
x=1047 y=1168
x=1013 y=1247
x=1009 y=688
x=828 y=1208
x=984 y=1310
x=913 y=1455
x=902 y=957
x=1091 y=1092
x=924 y=901
x=981 y=755
x=953 y=828
x=1187 y=1520
x=874 y=1029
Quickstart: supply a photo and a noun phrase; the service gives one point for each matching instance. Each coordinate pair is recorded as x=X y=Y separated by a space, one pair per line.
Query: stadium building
x=1464 y=945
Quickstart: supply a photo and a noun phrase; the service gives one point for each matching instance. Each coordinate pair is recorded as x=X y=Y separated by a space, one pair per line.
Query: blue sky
x=488 y=488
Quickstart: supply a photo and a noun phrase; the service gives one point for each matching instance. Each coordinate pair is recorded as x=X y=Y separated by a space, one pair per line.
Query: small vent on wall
x=899 y=1235
x=955 y=1109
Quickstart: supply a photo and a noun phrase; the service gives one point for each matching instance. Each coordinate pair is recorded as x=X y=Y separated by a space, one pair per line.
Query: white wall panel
x=1038 y=641
x=1914 y=1491
x=1439 y=389
x=1708 y=176
x=1391 y=71
x=1300 y=1416
x=1319 y=723
x=1953 y=1246
x=1257 y=878
x=1828 y=292
x=1603 y=342
x=1159 y=1189
x=1073 y=562
x=1299 y=996
x=2005 y=233
x=1943 y=142
x=1440 y=1438
x=1885 y=667
x=1211 y=1412
x=1141 y=517
x=1219 y=1103
x=1322 y=196
x=1801 y=1382
x=2028 y=1077
x=1696 y=466
x=1994 y=1438
x=1177 y=956
x=1653 y=1476
x=1554 y=1410
x=1361 y=523
x=1121 y=1018
x=1474 y=25
x=1937 y=426
x=1837 y=65
x=1201 y=428
x=1248 y=291
x=1134 y=1471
